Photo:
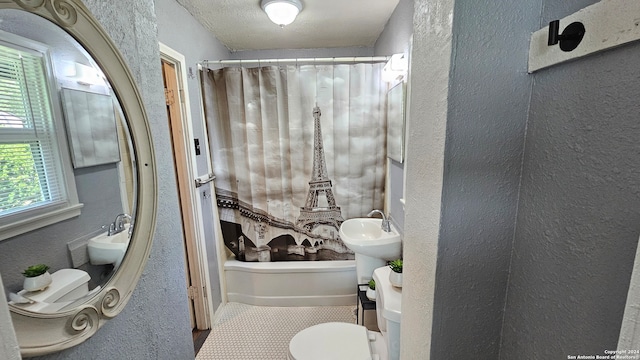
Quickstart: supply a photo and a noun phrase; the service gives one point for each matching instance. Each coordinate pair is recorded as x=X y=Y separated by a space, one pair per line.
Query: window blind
x=30 y=171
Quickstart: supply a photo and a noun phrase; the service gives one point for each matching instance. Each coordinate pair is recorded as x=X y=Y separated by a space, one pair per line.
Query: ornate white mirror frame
x=42 y=333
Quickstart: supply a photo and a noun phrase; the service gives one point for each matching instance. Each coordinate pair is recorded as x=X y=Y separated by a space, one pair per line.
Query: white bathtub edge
x=290 y=266
x=299 y=283
x=324 y=300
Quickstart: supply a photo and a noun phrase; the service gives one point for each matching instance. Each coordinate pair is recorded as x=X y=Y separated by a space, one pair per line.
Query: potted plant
x=36 y=277
x=371 y=290
x=395 y=276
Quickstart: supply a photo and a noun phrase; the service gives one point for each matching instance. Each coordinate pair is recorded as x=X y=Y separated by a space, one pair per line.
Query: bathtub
x=291 y=283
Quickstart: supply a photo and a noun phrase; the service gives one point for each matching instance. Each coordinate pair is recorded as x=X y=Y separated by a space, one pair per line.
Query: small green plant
x=372 y=284
x=35 y=270
x=396 y=265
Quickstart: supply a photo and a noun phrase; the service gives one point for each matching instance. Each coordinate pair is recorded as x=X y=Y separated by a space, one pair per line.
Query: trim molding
x=608 y=24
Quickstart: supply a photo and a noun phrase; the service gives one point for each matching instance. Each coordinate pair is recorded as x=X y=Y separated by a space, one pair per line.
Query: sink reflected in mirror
x=109 y=248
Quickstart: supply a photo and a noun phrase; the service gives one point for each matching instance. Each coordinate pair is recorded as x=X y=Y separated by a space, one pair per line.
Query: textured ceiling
x=242 y=25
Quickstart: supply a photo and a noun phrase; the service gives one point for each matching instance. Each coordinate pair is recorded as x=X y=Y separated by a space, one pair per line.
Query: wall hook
x=570 y=37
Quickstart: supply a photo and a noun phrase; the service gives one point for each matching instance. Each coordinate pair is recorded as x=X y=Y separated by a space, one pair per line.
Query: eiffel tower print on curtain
x=274 y=202
x=320 y=212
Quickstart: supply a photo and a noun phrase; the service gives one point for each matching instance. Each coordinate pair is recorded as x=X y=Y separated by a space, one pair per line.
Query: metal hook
x=570 y=37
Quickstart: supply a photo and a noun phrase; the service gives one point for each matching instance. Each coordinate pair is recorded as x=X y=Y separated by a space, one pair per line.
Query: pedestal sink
x=372 y=246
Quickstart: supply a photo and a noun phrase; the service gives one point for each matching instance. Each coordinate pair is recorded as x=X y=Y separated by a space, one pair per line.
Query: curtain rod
x=346 y=59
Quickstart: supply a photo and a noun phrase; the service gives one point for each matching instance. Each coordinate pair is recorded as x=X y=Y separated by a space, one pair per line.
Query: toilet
x=344 y=341
x=67 y=286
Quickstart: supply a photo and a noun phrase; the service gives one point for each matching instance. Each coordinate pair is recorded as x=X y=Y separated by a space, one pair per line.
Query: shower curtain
x=296 y=150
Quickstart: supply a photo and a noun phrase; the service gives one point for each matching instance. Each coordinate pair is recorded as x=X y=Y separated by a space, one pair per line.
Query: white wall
x=432 y=41
x=9 y=349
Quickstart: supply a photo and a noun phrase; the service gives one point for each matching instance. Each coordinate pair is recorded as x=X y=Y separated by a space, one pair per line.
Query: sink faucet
x=385 y=222
x=117 y=225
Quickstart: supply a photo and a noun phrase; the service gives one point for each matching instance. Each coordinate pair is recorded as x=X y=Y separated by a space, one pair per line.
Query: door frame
x=196 y=248
x=221 y=251
x=629 y=337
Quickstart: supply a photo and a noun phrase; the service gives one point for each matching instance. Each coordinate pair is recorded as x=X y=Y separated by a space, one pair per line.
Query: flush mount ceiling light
x=282 y=12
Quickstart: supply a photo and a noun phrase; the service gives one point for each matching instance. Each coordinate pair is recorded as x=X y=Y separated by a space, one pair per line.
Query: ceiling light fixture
x=282 y=12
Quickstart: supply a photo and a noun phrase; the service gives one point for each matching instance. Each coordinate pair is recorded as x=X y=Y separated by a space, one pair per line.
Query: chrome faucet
x=117 y=225
x=385 y=226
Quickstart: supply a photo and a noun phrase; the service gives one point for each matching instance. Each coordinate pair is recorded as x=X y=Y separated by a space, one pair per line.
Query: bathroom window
x=37 y=186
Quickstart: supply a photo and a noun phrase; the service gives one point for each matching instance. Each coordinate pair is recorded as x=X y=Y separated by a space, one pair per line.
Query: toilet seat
x=335 y=341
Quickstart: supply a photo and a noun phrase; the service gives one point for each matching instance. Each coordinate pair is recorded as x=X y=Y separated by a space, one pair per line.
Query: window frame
x=37 y=217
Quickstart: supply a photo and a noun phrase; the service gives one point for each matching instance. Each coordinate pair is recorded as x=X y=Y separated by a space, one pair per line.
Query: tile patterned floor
x=246 y=332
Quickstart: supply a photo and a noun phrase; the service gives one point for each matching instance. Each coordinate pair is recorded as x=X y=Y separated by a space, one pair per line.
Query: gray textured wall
x=578 y=227
x=395 y=38
x=196 y=43
x=397 y=32
x=487 y=114
x=155 y=322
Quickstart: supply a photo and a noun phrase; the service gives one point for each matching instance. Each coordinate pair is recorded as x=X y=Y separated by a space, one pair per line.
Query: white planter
x=395 y=278
x=37 y=283
x=371 y=294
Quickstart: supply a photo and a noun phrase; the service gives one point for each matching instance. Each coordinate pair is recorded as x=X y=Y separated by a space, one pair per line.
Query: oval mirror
x=78 y=182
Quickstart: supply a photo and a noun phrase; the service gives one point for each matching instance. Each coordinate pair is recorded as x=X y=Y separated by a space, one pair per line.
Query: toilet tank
x=388 y=312
x=66 y=285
